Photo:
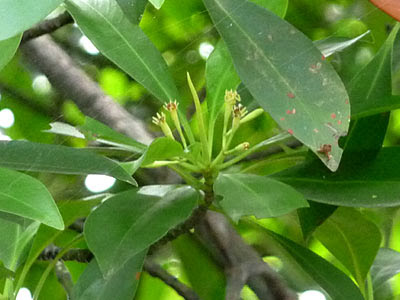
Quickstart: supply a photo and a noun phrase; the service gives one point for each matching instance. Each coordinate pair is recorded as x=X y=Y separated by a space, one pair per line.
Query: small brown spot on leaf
x=333 y=115
x=290 y=131
x=137 y=276
x=290 y=95
x=339 y=122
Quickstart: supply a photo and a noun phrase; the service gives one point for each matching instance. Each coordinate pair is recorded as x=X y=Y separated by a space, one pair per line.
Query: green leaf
x=160 y=149
x=70 y=212
x=102 y=133
x=8 y=48
x=300 y=89
x=106 y=26
x=134 y=222
x=6 y=273
x=22 y=155
x=372 y=86
x=17 y=16
x=16 y=233
x=386 y=266
x=352 y=239
x=369 y=89
x=133 y=9
x=121 y=285
x=247 y=194
x=204 y=275
x=279 y=7
x=27 y=197
x=93 y=130
x=157 y=3
x=337 y=284
x=335 y=44
x=312 y=217
x=220 y=76
x=362 y=184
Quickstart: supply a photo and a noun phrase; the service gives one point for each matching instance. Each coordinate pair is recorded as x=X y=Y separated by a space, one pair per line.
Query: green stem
x=275 y=139
x=187 y=177
x=190 y=167
x=369 y=292
x=202 y=128
x=51 y=265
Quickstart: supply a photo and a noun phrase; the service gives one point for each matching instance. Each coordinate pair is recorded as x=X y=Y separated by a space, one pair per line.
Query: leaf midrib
x=130 y=47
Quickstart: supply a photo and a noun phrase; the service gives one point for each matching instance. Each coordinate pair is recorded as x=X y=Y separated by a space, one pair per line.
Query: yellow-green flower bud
x=160 y=120
x=172 y=108
x=252 y=115
x=231 y=97
x=238 y=149
x=238 y=111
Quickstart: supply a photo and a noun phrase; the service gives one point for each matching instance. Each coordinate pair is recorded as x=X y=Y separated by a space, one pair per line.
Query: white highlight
x=41 y=84
x=312 y=295
x=88 y=46
x=24 y=294
x=6 y=118
x=98 y=183
x=205 y=49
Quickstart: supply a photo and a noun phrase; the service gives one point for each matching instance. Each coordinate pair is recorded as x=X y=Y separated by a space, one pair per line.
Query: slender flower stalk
x=238 y=149
x=231 y=97
x=172 y=108
x=160 y=120
x=202 y=128
x=238 y=112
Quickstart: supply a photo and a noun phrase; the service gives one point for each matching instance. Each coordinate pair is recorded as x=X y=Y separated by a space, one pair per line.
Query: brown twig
x=242 y=263
x=74 y=84
x=155 y=270
x=47 y=26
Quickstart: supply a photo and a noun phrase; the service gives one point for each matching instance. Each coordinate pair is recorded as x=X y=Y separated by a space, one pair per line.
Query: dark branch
x=47 y=26
x=242 y=263
x=84 y=255
x=74 y=84
x=196 y=217
x=156 y=270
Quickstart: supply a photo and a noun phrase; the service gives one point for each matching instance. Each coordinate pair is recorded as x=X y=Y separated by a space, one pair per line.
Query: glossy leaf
x=160 y=149
x=103 y=134
x=361 y=184
x=8 y=48
x=335 y=44
x=22 y=155
x=371 y=92
x=16 y=233
x=372 y=86
x=204 y=275
x=93 y=130
x=70 y=212
x=27 y=197
x=352 y=239
x=121 y=285
x=279 y=7
x=314 y=216
x=220 y=76
x=134 y=222
x=106 y=26
x=17 y=16
x=295 y=87
x=337 y=284
x=386 y=266
x=6 y=273
x=247 y=194
x=157 y=3
x=133 y=9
